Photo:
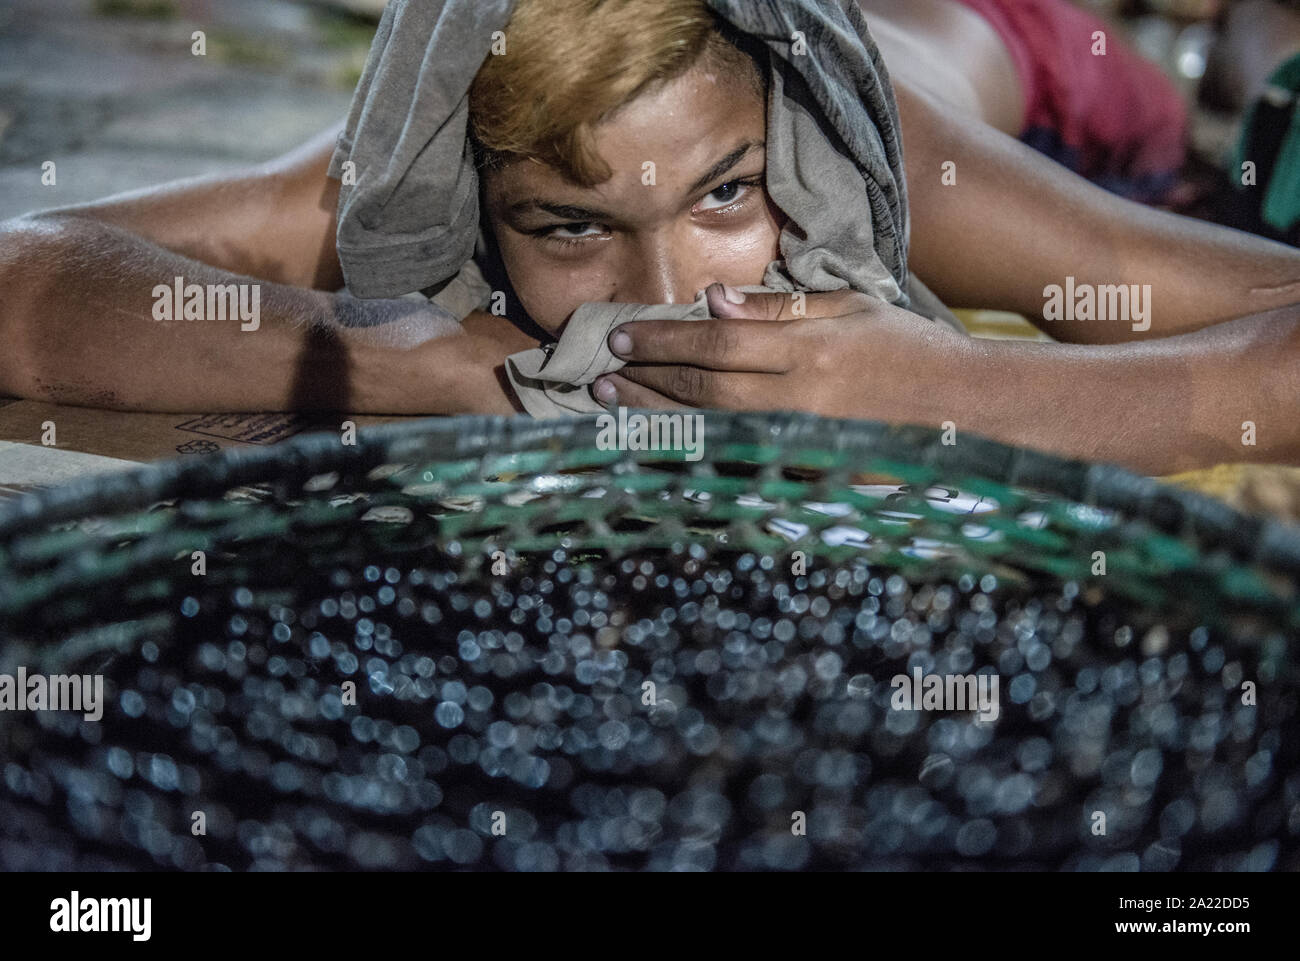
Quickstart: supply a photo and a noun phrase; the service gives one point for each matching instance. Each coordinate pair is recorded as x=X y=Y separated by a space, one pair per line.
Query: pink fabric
x=1115 y=118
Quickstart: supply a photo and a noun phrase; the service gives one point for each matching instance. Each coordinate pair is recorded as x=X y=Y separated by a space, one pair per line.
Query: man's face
x=703 y=217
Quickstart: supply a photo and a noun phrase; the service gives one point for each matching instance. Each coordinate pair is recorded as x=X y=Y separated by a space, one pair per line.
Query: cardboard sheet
x=90 y=441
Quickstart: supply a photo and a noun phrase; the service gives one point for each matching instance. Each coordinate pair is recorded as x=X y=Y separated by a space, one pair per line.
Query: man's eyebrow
x=725 y=164
x=566 y=211
x=587 y=214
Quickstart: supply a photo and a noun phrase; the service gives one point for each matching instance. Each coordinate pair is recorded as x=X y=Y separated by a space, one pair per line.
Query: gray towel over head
x=408 y=216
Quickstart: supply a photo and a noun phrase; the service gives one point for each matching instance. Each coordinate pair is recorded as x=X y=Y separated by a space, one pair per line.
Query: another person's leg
x=954 y=53
x=1049 y=73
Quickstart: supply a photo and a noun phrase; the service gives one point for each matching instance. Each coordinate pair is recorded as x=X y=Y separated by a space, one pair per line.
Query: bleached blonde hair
x=570 y=63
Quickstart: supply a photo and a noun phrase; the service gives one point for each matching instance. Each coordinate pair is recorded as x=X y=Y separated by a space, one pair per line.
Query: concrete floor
x=118 y=100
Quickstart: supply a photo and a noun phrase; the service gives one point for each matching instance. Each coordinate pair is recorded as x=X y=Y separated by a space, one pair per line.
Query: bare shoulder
x=275 y=221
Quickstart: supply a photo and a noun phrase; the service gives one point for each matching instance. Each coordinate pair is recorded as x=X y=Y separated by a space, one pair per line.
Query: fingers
x=737 y=345
x=779 y=306
x=615 y=389
x=728 y=302
x=697 y=387
x=689 y=385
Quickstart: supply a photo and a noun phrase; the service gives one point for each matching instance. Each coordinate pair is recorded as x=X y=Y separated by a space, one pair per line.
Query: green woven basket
x=801 y=563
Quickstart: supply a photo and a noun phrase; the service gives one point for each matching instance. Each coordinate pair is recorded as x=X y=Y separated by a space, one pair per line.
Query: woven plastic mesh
x=569 y=658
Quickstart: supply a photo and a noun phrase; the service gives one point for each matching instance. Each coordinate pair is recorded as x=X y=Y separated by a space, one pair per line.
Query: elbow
x=34 y=249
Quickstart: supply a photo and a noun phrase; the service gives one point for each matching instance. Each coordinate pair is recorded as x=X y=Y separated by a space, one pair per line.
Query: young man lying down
x=563 y=124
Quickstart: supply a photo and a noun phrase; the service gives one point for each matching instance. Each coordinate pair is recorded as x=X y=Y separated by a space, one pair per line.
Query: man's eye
x=728 y=193
x=567 y=231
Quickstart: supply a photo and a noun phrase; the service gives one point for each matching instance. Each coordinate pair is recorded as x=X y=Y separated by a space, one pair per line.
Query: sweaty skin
x=76 y=319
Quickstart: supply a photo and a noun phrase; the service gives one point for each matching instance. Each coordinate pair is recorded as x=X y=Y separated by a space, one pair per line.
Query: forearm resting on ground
x=1229 y=393
x=79 y=326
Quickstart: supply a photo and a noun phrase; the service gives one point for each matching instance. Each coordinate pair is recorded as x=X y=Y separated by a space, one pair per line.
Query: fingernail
x=620 y=343
x=733 y=295
x=604 y=391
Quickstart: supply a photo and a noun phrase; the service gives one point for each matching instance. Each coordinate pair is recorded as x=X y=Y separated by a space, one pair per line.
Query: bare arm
x=1016 y=223
x=78 y=326
x=1226 y=393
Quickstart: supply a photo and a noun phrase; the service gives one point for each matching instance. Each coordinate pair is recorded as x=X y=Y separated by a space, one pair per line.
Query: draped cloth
x=409 y=214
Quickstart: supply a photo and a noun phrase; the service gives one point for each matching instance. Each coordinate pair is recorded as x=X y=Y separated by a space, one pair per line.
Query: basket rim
x=1255 y=539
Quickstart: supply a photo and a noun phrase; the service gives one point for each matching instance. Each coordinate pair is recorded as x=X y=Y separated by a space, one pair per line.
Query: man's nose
x=659 y=271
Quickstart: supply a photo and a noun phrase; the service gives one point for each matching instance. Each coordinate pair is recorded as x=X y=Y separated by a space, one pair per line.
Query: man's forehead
x=682 y=126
